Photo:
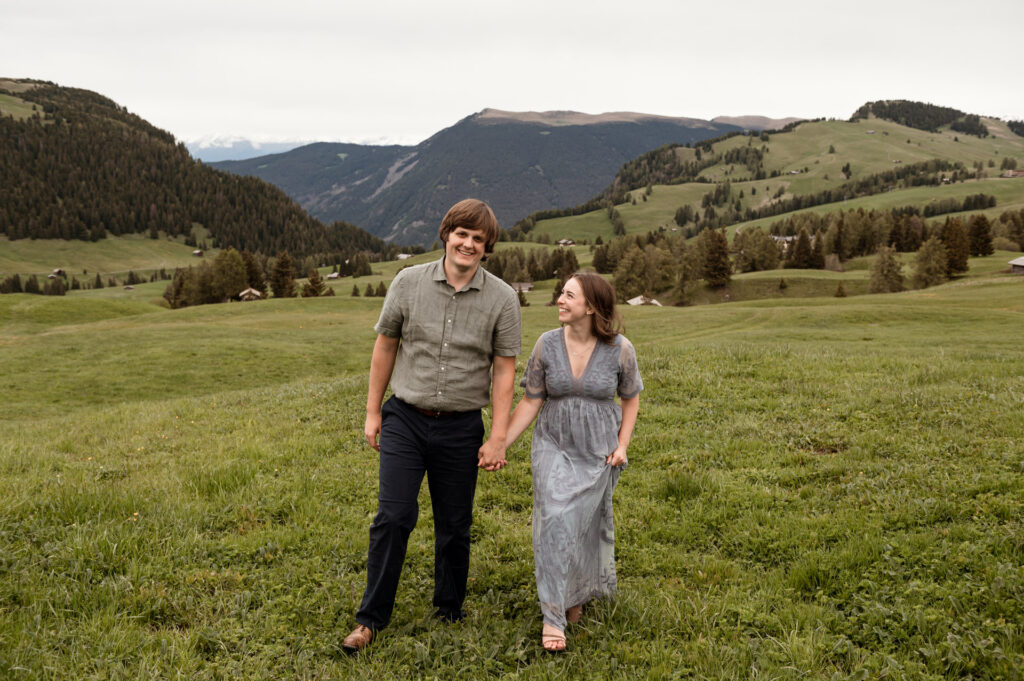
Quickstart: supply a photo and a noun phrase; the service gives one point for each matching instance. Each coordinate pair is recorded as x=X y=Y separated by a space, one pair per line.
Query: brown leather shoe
x=359 y=638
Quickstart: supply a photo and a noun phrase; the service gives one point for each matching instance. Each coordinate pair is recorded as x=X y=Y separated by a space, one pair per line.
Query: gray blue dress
x=577 y=428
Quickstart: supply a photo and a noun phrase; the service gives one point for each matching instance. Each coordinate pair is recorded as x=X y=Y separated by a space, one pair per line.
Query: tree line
x=656 y=262
x=82 y=168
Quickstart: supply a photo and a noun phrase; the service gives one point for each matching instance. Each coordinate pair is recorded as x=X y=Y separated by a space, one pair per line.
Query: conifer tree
x=886 y=272
x=957 y=243
x=382 y=290
x=930 y=264
x=355 y=290
x=282 y=279
x=254 y=273
x=99 y=281
x=314 y=286
x=800 y=253
x=980 y=232
x=369 y=292
x=817 y=260
x=717 y=269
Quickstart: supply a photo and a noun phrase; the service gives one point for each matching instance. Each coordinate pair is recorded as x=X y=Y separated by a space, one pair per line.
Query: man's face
x=465 y=248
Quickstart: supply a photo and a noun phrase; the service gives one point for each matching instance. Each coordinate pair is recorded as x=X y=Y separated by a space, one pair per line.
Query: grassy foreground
x=819 y=488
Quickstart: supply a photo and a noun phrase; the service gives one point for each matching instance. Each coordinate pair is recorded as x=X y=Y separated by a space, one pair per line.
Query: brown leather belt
x=434 y=414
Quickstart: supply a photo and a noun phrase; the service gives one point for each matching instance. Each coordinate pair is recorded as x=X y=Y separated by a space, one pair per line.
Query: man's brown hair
x=471 y=214
x=600 y=296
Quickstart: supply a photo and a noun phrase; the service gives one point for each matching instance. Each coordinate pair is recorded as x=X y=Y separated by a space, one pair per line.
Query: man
x=444 y=325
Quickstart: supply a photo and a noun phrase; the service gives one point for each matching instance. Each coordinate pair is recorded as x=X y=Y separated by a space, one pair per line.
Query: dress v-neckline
x=568 y=357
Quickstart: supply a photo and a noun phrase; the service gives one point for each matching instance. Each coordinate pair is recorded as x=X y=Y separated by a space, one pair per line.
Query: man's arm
x=382 y=364
x=492 y=453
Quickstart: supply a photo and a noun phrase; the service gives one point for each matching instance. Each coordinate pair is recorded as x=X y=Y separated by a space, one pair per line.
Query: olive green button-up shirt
x=448 y=338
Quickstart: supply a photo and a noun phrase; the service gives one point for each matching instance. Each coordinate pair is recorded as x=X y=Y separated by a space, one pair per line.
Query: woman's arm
x=630 y=409
x=523 y=415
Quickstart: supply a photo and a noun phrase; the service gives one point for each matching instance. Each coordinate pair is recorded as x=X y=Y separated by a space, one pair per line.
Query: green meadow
x=806 y=165
x=84 y=259
x=818 y=488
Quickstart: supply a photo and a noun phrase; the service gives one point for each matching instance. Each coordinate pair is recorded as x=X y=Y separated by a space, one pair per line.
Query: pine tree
x=840 y=291
x=282 y=279
x=355 y=290
x=800 y=254
x=368 y=293
x=314 y=286
x=717 y=269
x=254 y=273
x=886 y=272
x=930 y=264
x=958 y=248
x=980 y=232
x=817 y=260
x=382 y=290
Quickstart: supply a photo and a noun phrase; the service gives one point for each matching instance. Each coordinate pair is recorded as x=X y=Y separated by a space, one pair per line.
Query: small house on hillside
x=250 y=294
x=198 y=253
x=521 y=286
x=643 y=300
x=403 y=256
x=1014 y=173
x=1017 y=266
x=333 y=275
x=566 y=242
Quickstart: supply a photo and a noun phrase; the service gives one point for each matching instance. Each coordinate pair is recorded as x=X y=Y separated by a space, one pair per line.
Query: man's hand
x=371 y=430
x=492 y=455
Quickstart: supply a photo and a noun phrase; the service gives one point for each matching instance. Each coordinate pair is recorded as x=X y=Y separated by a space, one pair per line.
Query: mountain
x=519 y=162
x=215 y=148
x=898 y=157
x=756 y=122
x=76 y=165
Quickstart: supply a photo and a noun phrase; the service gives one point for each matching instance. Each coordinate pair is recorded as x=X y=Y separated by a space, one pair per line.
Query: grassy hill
x=806 y=164
x=818 y=488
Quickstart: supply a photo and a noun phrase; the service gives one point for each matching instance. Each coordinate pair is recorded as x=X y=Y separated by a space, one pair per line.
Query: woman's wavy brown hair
x=600 y=296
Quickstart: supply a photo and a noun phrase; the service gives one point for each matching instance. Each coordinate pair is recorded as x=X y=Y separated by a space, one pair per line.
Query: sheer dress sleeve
x=533 y=377
x=630 y=383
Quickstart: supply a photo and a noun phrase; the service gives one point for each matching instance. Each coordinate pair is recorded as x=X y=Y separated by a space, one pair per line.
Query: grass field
x=869 y=146
x=113 y=255
x=819 y=488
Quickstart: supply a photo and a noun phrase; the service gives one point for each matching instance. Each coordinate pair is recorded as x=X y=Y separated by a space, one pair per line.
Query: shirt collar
x=476 y=282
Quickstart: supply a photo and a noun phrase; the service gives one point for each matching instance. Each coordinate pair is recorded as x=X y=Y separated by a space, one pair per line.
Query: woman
x=579 y=447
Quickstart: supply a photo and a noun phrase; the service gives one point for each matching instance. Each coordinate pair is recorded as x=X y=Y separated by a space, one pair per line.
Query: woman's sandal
x=574 y=614
x=553 y=643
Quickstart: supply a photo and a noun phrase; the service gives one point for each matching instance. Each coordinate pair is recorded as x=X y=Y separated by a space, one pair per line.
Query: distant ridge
x=756 y=122
x=562 y=118
x=519 y=162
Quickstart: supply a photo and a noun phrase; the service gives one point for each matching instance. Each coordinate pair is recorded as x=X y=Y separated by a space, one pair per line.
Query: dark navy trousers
x=445 y=449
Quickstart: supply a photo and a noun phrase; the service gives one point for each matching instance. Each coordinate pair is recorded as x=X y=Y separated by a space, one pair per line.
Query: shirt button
x=449 y=321
x=438 y=392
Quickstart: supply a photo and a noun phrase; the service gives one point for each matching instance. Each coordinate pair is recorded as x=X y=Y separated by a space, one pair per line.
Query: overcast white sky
x=400 y=70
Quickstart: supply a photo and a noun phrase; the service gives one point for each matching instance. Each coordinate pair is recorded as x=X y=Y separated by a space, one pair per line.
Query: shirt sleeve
x=630 y=383
x=508 y=337
x=533 y=377
x=391 y=315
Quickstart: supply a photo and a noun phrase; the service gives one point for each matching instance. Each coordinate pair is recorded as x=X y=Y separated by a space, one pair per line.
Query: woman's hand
x=618 y=457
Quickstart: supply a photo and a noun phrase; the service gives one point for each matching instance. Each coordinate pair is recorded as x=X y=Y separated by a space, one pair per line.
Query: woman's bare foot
x=573 y=614
x=552 y=639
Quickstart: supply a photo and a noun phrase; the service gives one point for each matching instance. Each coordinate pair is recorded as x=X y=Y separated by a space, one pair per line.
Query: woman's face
x=572 y=306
